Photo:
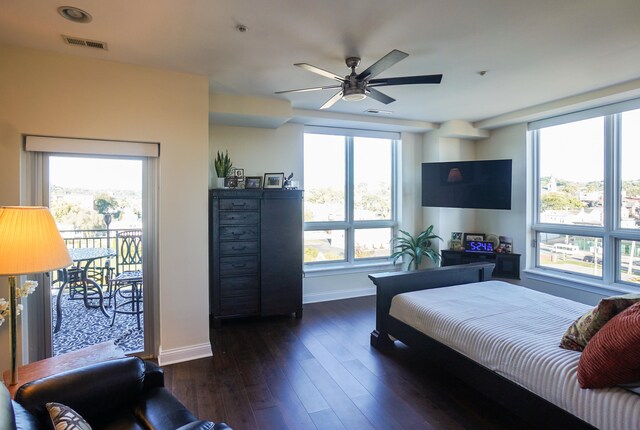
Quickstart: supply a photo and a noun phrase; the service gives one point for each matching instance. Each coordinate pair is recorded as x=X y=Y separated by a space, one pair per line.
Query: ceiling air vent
x=76 y=41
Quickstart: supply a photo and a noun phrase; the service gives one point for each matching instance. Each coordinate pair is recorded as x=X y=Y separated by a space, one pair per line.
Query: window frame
x=611 y=232
x=349 y=224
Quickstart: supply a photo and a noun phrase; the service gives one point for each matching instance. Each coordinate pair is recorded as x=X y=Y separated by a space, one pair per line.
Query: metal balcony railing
x=99 y=238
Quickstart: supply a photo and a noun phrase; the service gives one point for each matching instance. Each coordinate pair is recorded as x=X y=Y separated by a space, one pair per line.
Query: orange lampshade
x=30 y=241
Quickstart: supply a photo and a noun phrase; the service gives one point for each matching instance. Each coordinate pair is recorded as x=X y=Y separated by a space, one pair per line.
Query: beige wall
x=508 y=143
x=446 y=220
x=57 y=95
x=260 y=150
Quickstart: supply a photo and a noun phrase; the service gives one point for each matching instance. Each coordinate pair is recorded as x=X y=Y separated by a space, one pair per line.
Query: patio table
x=82 y=257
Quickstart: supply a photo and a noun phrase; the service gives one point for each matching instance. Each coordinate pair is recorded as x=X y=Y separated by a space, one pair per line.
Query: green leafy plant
x=223 y=164
x=415 y=247
x=105 y=204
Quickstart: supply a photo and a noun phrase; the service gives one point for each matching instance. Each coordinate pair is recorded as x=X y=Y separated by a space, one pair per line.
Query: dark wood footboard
x=390 y=284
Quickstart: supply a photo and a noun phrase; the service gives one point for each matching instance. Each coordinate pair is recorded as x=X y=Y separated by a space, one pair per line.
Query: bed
x=500 y=338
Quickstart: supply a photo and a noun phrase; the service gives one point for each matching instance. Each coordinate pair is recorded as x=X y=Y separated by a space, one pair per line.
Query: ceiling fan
x=357 y=86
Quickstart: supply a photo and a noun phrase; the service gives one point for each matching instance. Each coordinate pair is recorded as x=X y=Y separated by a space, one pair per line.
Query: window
x=349 y=204
x=587 y=208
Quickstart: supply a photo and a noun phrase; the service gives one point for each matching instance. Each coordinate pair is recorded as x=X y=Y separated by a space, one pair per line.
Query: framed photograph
x=238 y=174
x=456 y=245
x=506 y=244
x=230 y=182
x=456 y=235
x=273 y=180
x=253 y=182
x=468 y=237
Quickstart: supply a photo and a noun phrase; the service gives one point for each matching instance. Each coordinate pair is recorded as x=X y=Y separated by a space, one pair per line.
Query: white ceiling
x=533 y=51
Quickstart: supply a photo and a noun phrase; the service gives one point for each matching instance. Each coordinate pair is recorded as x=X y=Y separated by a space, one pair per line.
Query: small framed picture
x=456 y=245
x=238 y=174
x=273 y=180
x=468 y=237
x=230 y=182
x=253 y=182
x=506 y=245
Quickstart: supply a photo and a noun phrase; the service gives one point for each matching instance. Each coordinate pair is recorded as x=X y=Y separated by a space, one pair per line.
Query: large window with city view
x=349 y=209
x=587 y=222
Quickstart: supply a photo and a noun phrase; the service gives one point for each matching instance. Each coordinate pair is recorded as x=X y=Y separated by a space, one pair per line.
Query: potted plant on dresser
x=223 y=167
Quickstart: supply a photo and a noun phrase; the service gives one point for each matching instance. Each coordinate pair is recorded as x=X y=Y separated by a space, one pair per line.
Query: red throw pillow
x=612 y=356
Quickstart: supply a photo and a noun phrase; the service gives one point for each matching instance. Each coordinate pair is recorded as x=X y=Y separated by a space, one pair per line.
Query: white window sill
x=316 y=270
x=594 y=286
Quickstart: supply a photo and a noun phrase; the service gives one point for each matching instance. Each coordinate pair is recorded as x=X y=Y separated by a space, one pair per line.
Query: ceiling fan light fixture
x=354 y=94
x=359 y=86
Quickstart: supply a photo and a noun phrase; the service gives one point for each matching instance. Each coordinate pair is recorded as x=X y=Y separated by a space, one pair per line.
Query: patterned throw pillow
x=612 y=356
x=584 y=328
x=65 y=418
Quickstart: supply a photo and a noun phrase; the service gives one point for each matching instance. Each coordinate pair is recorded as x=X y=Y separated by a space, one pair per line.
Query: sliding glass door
x=104 y=207
x=97 y=205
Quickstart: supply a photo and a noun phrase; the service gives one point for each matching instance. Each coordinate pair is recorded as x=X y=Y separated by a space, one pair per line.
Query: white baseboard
x=338 y=295
x=187 y=353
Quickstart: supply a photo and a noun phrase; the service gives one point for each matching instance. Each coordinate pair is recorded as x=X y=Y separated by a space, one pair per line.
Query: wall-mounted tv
x=484 y=184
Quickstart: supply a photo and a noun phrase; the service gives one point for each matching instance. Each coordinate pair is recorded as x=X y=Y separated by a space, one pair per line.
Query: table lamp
x=29 y=243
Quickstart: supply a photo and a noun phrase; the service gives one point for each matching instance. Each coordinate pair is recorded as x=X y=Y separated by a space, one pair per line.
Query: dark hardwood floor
x=320 y=373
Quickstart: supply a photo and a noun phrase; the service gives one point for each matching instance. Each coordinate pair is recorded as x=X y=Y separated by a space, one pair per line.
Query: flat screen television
x=484 y=184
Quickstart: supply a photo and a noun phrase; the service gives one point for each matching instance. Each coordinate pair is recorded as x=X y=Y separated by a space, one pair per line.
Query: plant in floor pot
x=223 y=167
x=415 y=248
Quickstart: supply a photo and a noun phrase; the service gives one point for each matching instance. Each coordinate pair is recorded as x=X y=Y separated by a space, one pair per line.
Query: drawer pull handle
x=235 y=233
x=238 y=204
x=238 y=265
x=239 y=248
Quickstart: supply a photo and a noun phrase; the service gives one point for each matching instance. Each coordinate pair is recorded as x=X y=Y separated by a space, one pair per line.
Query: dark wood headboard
x=389 y=284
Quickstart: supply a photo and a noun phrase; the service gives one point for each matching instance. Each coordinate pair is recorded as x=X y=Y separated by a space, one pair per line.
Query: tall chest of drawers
x=255 y=253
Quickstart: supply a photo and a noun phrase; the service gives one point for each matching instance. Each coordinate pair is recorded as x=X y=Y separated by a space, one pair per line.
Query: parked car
x=589 y=259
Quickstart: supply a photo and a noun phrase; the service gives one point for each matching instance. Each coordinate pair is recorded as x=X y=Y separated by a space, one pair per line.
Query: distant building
x=552 y=186
x=591 y=198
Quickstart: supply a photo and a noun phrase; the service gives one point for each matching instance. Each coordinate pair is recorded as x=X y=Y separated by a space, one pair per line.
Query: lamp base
x=13 y=309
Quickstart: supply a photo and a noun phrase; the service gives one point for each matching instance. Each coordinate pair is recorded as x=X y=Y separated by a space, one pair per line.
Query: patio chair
x=124 y=282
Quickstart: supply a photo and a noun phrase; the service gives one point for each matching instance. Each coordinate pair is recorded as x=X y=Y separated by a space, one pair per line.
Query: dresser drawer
x=240 y=305
x=238 y=204
x=238 y=217
x=247 y=232
x=230 y=266
x=239 y=286
x=238 y=248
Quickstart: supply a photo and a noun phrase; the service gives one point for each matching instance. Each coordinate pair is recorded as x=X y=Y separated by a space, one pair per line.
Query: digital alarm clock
x=479 y=246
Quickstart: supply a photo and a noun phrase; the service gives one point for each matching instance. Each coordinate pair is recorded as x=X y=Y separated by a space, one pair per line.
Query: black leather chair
x=126 y=393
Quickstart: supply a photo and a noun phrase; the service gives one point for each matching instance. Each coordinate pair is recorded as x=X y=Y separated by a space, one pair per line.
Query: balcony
x=82 y=326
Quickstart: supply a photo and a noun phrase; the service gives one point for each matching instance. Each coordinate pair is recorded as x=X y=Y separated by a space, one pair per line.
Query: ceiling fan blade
x=303 y=90
x=381 y=97
x=382 y=64
x=406 y=80
x=332 y=100
x=320 y=71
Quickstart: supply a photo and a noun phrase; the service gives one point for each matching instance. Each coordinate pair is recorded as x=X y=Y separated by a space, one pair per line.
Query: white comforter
x=515 y=331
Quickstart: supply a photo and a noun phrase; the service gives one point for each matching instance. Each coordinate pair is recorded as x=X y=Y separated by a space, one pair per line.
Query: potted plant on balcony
x=223 y=167
x=416 y=247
